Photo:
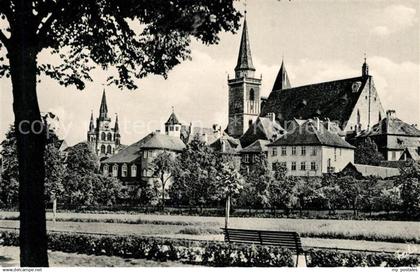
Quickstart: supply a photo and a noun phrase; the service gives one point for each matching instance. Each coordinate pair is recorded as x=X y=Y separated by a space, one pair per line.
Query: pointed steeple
x=244 y=66
x=173 y=120
x=282 y=79
x=103 y=110
x=91 y=124
x=116 y=127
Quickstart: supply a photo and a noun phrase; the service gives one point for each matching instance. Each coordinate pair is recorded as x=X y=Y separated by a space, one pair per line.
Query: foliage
x=9 y=180
x=209 y=253
x=163 y=167
x=195 y=175
x=333 y=258
x=409 y=183
x=366 y=152
x=229 y=182
x=83 y=185
x=54 y=172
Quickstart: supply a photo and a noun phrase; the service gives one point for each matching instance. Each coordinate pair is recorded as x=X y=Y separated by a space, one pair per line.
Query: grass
x=149 y=224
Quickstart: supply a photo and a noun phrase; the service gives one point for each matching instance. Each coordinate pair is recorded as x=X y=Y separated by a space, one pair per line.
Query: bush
x=333 y=258
x=199 y=231
x=208 y=253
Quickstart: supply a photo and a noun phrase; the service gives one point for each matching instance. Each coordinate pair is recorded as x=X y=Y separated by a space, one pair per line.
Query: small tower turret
x=365 y=69
x=173 y=126
x=117 y=135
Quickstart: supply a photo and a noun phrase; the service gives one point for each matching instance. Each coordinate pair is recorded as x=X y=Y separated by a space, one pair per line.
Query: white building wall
x=338 y=157
x=322 y=153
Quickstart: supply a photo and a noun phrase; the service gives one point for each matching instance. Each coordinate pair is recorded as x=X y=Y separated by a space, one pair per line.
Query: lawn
x=148 y=224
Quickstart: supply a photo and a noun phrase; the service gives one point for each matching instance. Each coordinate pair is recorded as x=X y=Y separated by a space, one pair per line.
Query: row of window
x=106 y=150
x=106 y=137
x=303 y=166
x=172 y=128
x=283 y=151
x=124 y=170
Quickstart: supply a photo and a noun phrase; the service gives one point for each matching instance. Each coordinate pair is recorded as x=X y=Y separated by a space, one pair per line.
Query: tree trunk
x=227 y=212
x=30 y=146
x=54 y=209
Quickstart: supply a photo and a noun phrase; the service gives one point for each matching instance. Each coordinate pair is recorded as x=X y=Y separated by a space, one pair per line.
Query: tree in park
x=9 y=182
x=229 y=183
x=163 y=167
x=135 y=38
x=366 y=152
x=409 y=184
x=352 y=191
x=195 y=175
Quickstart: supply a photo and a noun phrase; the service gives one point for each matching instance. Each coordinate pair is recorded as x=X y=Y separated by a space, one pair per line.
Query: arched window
x=115 y=170
x=109 y=149
x=134 y=170
x=102 y=149
x=106 y=170
x=144 y=173
x=358 y=117
x=124 y=170
x=109 y=136
x=103 y=136
x=252 y=95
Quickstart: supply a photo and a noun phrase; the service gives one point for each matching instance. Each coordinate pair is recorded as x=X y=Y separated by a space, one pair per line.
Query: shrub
x=333 y=258
x=199 y=231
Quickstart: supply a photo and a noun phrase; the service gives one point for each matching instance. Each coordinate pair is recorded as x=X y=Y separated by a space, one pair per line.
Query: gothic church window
x=102 y=149
x=103 y=136
x=108 y=149
x=109 y=137
x=358 y=117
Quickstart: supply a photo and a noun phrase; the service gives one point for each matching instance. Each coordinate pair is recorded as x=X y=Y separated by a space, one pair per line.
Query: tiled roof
x=334 y=100
x=256 y=147
x=282 y=80
x=309 y=134
x=151 y=141
x=230 y=144
x=392 y=126
x=262 y=129
x=370 y=170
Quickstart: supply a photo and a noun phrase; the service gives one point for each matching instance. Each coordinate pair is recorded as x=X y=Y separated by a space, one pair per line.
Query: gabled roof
x=152 y=141
x=256 y=147
x=173 y=120
x=371 y=170
x=226 y=145
x=392 y=126
x=310 y=134
x=262 y=129
x=334 y=100
x=411 y=153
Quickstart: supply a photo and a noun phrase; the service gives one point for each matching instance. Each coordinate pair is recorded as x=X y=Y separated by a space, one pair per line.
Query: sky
x=319 y=41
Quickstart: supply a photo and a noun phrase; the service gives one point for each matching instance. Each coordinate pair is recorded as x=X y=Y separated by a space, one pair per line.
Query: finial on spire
x=365 y=67
x=173 y=109
x=245 y=4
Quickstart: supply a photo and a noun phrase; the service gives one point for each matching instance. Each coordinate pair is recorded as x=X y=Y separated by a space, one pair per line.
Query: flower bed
x=207 y=253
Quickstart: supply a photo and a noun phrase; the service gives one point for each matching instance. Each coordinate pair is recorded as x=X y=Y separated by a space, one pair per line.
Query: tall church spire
x=116 y=127
x=282 y=79
x=244 y=66
x=91 y=124
x=103 y=110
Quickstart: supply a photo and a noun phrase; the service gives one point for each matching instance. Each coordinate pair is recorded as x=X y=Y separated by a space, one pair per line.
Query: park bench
x=285 y=239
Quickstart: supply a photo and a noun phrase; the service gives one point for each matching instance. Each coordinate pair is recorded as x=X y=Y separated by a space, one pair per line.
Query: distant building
x=228 y=146
x=392 y=136
x=133 y=164
x=360 y=171
x=353 y=104
x=311 y=150
x=104 y=140
x=264 y=128
x=249 y=153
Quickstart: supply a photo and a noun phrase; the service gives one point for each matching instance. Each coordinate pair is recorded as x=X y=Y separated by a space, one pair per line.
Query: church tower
x=244 y=90
x=173 y=126
x=103 y=139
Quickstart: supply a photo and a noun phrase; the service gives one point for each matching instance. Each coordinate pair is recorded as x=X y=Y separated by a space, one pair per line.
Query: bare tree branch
x=55 y=11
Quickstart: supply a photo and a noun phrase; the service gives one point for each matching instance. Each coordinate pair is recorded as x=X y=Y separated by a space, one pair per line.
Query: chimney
x=390 y=114
x=271 y=116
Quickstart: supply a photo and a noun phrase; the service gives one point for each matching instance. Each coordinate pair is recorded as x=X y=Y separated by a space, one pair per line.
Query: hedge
x=208 y=253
